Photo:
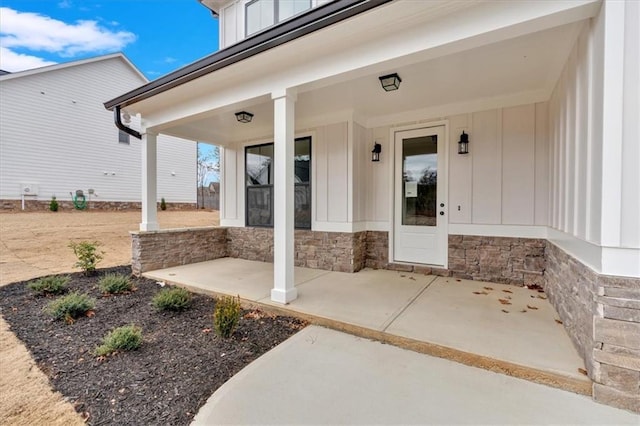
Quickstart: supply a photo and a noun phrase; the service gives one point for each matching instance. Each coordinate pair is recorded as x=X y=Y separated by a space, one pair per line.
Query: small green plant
x=49 y=285
x=163 y=204
x=53 y=204
x=126 y=338
x=226 y=315
x=70 y=306
x=87 y=254
x=172 y=299
x=115 y=283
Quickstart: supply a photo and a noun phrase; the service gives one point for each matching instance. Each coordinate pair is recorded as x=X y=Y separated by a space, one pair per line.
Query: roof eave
x=306 y=23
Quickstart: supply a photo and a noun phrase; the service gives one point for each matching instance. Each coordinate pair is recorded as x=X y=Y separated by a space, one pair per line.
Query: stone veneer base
x=161 y=249
x=601 y=314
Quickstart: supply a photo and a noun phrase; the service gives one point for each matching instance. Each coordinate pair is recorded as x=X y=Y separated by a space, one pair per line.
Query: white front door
x=420 y=221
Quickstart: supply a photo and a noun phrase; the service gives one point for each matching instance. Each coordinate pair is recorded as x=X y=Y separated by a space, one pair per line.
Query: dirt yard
x=36 y=244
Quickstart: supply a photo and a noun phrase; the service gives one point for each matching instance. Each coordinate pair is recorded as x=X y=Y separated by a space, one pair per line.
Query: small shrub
x=172 y=299
x=49 y=285
x=53 y=204
x=226 y=315
x=163 y=204
x=126 y=338
x=115 y=283
x=70 y=306
x=87 y=254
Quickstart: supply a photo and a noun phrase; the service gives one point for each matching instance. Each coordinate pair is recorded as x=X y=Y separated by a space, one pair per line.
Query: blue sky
x=158 y=36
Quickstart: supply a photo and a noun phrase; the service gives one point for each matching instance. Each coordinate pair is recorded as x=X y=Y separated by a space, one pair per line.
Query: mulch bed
x=179 y=365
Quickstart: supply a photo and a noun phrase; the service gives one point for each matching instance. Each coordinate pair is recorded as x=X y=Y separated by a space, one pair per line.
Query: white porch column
x=283 y=290
x=149 y=182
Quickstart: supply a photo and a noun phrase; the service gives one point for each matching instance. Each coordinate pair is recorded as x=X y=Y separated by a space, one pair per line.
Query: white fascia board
x=370 y=51
x=621 y=261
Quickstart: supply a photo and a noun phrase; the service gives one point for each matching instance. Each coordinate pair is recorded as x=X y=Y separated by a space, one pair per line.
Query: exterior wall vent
x=28 y=189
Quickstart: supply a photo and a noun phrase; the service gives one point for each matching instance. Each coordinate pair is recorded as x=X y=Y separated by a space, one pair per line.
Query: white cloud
x=14 y=62
x=37 y=32
x=64 y=4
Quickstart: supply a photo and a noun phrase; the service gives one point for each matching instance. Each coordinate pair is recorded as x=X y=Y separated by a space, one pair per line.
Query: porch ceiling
x=520 y=69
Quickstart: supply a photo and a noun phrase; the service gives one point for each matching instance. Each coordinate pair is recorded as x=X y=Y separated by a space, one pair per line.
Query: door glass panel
x=419 y=180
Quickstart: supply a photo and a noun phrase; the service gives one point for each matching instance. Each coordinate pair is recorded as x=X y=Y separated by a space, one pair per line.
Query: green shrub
x=53 y=204
x=115 y=283
x=70 y=306
x=163 y=204
x=226 y=315
x=87 y=254
x=172 y=299
x=126 y=338
x=54 y=284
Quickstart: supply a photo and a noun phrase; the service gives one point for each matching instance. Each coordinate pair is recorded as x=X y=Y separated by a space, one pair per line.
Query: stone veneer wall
x=331 y=251
x=43 y=205
x=601 y=313
x=518 y=261
x=152 y=250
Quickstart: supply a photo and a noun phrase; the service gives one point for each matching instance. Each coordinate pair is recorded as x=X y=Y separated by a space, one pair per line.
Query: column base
x=150 y=226
x=284 y=296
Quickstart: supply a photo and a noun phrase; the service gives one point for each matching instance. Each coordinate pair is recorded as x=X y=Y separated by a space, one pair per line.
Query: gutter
x=315 y=19
x=119 y=125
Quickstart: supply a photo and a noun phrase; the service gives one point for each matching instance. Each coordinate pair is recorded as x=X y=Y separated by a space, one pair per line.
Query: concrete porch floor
x=497 y=327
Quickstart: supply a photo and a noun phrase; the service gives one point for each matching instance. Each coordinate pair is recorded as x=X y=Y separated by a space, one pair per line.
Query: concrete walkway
x=494 y=326
x=321 y=376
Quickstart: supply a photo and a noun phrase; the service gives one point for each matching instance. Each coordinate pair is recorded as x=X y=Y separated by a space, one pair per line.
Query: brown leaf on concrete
x=505 y=311
x=412 y=278
x=542 y=297
x=480 y=292
x=507 y=291
x=524 y=310
x=558 y=321
x=504 y=301
x=582 y=371
x=531 y=307
x=458 y=280
x=488 y=288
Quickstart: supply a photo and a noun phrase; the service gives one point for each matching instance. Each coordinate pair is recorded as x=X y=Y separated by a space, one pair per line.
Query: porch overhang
x=487 y=52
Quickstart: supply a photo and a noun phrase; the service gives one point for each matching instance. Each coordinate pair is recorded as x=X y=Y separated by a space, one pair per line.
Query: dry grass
x=35 y=244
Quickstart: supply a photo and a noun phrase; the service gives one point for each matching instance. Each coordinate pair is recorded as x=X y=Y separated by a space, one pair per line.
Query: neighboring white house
x=56 y=138
x=549 y=191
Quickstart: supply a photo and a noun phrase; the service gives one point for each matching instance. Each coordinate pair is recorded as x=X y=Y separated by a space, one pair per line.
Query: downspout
x=119 y=125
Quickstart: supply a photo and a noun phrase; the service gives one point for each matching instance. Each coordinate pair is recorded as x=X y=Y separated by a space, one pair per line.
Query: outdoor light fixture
x=244 y=117
x=375 y=153
x=390 y=82
x=463 y=143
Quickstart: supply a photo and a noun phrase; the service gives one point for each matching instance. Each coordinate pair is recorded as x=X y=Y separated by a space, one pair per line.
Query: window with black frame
x=259 y=183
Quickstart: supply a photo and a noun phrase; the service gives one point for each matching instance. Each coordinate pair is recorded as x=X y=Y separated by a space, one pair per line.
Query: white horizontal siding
x=56 y=133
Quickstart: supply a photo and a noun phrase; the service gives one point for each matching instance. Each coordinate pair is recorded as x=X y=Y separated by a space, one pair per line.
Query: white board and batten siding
x=232 y=20
x=594 y=211
x=56 y=135
x=499 y=188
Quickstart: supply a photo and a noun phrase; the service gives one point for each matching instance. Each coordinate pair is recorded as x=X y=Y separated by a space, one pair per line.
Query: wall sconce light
x=375 y=153
x=463 y=144
x=390 y=82
x=244 y=117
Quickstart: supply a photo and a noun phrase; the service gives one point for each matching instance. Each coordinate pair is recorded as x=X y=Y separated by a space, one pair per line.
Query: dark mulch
x=180 y=364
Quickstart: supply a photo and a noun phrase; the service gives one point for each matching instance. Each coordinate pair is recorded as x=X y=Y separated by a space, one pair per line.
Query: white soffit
x=328 y=78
